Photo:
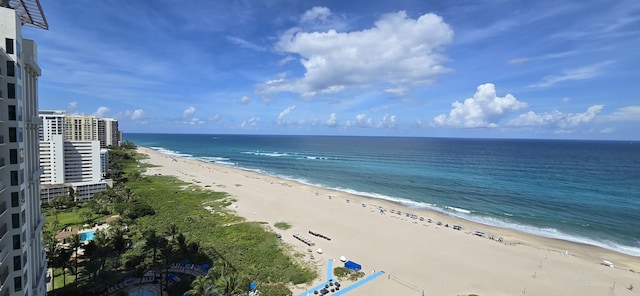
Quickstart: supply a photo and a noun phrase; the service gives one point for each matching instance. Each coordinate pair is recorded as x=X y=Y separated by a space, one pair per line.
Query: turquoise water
x=581 y=191
x=87 y=236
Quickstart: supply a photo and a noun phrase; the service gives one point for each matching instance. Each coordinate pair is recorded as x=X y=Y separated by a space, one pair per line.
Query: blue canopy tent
x=352 y=265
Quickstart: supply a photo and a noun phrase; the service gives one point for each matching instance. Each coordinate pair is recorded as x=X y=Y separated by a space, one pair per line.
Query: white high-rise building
x=72 y=164
x=52 y=123
x=22 y=256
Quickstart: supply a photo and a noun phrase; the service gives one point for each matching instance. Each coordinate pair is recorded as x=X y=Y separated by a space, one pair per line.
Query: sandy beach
x=414 y=254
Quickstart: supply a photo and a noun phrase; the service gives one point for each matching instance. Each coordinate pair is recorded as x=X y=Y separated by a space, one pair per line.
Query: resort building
x=74 y=164
x=22 y=255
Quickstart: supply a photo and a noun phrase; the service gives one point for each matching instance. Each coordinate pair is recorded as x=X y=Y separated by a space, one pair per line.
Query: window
x=21 y=159
x=13 y=156
x=20 y=135
x=17 y=283
x=18 y=71
x=15 y=199
x=15 y=221
x=17 y=263
x=16 y=241
x=11 y=68
x=11 y=90
x=14 y=178
x=8 y=45
x=12 y=112
x=13 y=134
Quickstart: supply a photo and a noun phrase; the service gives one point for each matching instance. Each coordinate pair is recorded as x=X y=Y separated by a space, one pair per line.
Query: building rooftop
x=30 y=12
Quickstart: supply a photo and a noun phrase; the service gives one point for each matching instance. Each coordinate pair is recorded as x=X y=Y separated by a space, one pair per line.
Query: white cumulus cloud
x=251 y=122
x=282 y=116
x=245 y=100
x=101 y=112
x=388 y=121
x=484 y=109
x=188 y=112
x=137 y=114
x=397 y=53
x=316 y=13
x=333 y=120
x=556 y=118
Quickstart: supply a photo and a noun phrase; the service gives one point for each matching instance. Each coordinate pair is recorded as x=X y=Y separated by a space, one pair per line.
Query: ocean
x=580 y=191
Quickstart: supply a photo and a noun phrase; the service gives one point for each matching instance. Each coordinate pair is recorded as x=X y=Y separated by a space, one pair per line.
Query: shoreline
x=357 y=221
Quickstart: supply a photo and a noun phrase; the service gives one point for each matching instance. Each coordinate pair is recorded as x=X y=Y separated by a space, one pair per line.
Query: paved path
x=343 y=289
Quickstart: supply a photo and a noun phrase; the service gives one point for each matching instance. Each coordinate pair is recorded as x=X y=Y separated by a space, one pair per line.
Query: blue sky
x=495 y=69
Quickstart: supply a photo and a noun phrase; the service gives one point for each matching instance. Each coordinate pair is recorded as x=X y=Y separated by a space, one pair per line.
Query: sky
x=425 y=68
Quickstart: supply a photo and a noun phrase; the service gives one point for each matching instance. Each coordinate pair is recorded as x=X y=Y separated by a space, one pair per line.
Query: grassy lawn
x=59 y=280
x=70 y=217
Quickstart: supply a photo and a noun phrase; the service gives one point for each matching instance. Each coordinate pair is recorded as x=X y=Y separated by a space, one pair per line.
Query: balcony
x=4 y=274
x=3 y=230
x=3 y=254
x=3 y=208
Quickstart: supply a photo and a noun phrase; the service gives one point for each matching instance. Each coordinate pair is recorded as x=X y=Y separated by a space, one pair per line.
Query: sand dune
x=415 y=255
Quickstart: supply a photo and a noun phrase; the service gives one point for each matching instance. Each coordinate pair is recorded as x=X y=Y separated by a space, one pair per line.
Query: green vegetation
x=162 y=221
x=282 y=225
x=345 y=273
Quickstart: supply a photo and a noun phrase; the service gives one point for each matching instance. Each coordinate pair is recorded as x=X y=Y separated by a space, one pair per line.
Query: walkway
x=331 y=280
x=359 y=283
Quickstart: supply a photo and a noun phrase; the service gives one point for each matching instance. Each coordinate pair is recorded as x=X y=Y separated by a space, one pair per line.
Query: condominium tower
x=73 y=162
x=22 y=256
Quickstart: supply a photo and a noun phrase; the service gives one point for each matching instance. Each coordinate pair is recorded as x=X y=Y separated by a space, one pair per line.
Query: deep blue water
x=583 y=191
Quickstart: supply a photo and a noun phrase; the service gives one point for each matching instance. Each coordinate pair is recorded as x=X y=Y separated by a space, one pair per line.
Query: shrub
x=282 y=225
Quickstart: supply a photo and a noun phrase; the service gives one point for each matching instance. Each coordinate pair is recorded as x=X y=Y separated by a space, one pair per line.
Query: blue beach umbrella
x=252 y=286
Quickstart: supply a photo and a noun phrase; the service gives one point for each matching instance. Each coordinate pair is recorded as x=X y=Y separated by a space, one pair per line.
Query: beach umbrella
x=343 y=258
x=319 y=251
x=252 y=286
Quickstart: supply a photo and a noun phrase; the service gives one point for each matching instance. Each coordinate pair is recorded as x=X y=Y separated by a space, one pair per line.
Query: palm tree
x=52 y=250
x=230 y=284
x=118 y=242
x=166 y=252
x=202 y=286
x=75 y=243
x=102 y=249
x=172 y=231
x=63 y=262
x=152 y=243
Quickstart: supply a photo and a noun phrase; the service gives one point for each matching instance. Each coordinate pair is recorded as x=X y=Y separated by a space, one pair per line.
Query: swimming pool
x=141 y=292
x=87 y=236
